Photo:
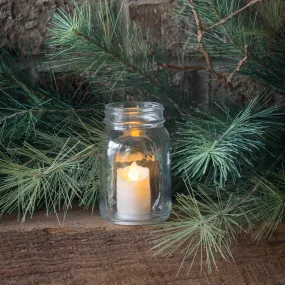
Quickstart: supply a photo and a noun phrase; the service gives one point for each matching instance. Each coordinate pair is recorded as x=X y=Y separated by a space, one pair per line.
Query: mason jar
x=134 y=164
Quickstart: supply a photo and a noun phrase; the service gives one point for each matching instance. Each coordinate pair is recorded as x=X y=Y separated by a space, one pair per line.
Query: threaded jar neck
x=134 y=114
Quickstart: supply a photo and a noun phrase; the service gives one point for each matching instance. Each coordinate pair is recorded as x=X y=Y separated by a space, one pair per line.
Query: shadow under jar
x=134 y=164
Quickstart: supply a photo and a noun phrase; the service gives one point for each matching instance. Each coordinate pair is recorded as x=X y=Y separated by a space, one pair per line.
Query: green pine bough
x=228 y=156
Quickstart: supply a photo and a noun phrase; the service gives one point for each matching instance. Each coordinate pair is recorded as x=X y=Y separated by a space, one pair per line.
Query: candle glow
x=133 y=191
x=133 y=173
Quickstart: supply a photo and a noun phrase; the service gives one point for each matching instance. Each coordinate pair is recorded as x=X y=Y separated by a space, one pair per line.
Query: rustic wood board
x=86 y=250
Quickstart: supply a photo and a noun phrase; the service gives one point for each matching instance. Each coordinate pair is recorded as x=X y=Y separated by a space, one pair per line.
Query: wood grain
x=89 y=251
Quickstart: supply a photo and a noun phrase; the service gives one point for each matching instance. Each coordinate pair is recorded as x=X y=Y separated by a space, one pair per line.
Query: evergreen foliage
x=48 y=149
x=221 y=144
x=205 y=226
x=229 y=157
x=226 y=32
x=96 y=43
x=239 y=154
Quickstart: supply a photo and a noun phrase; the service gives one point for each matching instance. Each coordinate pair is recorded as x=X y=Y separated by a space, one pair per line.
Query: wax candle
x=133 y=191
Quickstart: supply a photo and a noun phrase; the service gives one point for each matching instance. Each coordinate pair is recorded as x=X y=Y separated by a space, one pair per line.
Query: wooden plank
x=86 y=250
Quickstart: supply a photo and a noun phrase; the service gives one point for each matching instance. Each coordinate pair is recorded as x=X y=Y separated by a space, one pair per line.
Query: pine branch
x=201 y=228
x=221 y=22
x=217 y=145
x=239 y=66
x=226 y=83
x=259 y=181
x=182 y=67
x=51 y=178
x=45 y=111
x=200 y=29
x=200 y=35
x=119 y=55
x=271 y=210
x=34 y=97
x=149 y=80
x=223 y=31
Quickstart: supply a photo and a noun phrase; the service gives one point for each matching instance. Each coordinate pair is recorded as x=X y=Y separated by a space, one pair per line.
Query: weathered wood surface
x=87 y=250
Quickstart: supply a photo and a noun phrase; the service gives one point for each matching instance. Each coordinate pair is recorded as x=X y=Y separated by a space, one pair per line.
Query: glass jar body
x=134 y=174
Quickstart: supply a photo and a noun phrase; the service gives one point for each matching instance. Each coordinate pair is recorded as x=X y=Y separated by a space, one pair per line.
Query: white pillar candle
x=133 y=190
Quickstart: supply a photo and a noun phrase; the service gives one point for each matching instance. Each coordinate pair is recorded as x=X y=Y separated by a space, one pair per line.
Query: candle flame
x=133 y=173
x=135 y=132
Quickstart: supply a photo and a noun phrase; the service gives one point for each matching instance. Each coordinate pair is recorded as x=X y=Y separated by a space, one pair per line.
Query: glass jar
x=134 y=164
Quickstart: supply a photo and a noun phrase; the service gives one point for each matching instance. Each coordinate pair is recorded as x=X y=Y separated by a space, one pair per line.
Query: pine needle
x=202 y=228
x=219 y=145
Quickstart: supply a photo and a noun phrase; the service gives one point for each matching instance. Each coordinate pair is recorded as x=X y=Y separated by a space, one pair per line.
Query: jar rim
x=134 y=105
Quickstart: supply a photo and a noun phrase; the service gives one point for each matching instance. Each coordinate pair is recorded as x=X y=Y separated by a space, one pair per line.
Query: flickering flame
x=135 y=132
x=133 y=173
